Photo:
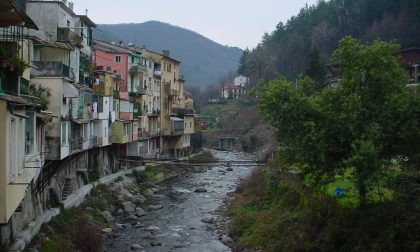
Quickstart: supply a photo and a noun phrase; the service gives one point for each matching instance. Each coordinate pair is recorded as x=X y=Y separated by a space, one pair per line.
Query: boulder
x=138 y=199
x=155 y=207
x=107 y=230
x=108 y=217
x=207 y=219
x=227 y=240
x=200 y=190
x=140 y=212
x=128 y=206
x=152 y=229
x=136 y=247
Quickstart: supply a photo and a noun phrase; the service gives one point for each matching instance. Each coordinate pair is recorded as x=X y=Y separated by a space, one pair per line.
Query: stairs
x=67 y=188
x=54 y=198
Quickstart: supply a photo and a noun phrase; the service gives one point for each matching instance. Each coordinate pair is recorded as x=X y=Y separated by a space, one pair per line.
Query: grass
x=274 y=211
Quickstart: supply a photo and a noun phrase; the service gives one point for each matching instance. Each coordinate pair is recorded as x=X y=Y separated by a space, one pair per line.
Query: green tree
x=316 y=69
x=244 y=68
x=364 y=124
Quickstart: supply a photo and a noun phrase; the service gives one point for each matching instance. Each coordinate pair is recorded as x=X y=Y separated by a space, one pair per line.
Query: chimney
x=71 y=5
x=86 y=12
x=166 y=53
x=120 y=43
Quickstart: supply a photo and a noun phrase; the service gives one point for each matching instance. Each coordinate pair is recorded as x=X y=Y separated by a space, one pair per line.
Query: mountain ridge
x=203 y=60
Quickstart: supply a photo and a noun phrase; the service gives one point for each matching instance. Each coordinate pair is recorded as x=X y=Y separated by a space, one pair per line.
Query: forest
x=304 y=44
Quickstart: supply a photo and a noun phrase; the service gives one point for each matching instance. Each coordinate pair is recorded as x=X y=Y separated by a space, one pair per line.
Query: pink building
x=115 y=57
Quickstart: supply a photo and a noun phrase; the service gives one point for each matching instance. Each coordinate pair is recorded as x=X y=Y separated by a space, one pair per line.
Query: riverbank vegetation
x=78 y=228
x=346 y=176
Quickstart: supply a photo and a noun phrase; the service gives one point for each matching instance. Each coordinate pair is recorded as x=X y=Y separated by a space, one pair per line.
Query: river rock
x=108 y=217
x=140 y=212
x=133 y=217
x=129 y=206
x=229 y=169
x=200 y=190
x=152 y=229
x=120 y=211
x=207 y=219
x=107 y=230
x=139 y=199
x=154 y=244
x=155 y=207
x=138 y=225
x=227 y=240
x=149 y=192
x=136 y=247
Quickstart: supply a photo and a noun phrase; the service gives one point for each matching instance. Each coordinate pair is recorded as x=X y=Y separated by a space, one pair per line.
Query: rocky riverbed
x=180 y=214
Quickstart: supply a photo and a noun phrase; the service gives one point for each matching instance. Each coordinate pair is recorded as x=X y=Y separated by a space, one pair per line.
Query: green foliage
x=42 y=93
x=305 y=43
x=364 y=124
x=291 y=217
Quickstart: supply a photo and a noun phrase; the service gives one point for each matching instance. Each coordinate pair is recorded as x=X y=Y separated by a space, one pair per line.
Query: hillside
x=203 y=60
x=304 y=43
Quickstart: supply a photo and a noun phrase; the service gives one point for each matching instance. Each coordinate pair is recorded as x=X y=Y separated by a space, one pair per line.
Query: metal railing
x=51 y=69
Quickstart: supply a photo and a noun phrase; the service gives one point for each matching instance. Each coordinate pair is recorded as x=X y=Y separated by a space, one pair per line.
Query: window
x=29 y=134
x=117 y=59
x=132 y=59
x=63 y=133
x=190 y=124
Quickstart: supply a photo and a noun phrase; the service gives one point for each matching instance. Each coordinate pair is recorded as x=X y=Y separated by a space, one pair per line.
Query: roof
x=39 y=42
x=11 y=19
x=87 y=20
x=162 y=55
x=108 y=47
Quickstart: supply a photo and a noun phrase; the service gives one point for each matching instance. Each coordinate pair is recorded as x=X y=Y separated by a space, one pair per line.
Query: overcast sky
x=239 y=23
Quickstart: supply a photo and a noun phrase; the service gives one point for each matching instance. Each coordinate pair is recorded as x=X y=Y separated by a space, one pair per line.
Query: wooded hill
x=304 y=44
x=203 y=60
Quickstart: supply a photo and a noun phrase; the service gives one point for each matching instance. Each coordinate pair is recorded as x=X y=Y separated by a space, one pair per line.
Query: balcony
x=64 y=34
x=76 y=144
x=137 y=69
x=102 y=89
x=153 y=113
x=51 y=69
x=177 y=126
x=139 y=90
x=181 y=112
x=116 y=94
x=120 y=132
x=155 y=132
x=143 y=134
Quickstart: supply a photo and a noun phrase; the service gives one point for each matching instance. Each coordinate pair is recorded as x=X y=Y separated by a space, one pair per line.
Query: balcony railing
x=139 y=90
x=76 y=144
x=137 y=69
x=181 y=112
x=51 y=69
x=155 y=112
x=95 y=141
x=64 y=34
x=142 y=134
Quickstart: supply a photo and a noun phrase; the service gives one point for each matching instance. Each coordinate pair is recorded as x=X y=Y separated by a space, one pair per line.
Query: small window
x=190 y=124
x=117 y=59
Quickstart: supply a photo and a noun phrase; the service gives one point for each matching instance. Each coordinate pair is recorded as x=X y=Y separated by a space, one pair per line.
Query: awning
x=42 y=43
x=176 y=119
x=70 y=91
x=80 y=121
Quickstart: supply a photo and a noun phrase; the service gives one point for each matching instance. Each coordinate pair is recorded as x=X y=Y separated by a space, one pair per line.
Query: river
x=179 y=226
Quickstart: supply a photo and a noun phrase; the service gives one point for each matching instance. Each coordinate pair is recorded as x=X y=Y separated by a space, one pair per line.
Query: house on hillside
x=230 y=90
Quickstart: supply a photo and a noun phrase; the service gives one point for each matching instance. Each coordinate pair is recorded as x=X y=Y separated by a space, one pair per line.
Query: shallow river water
x=179 y=223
